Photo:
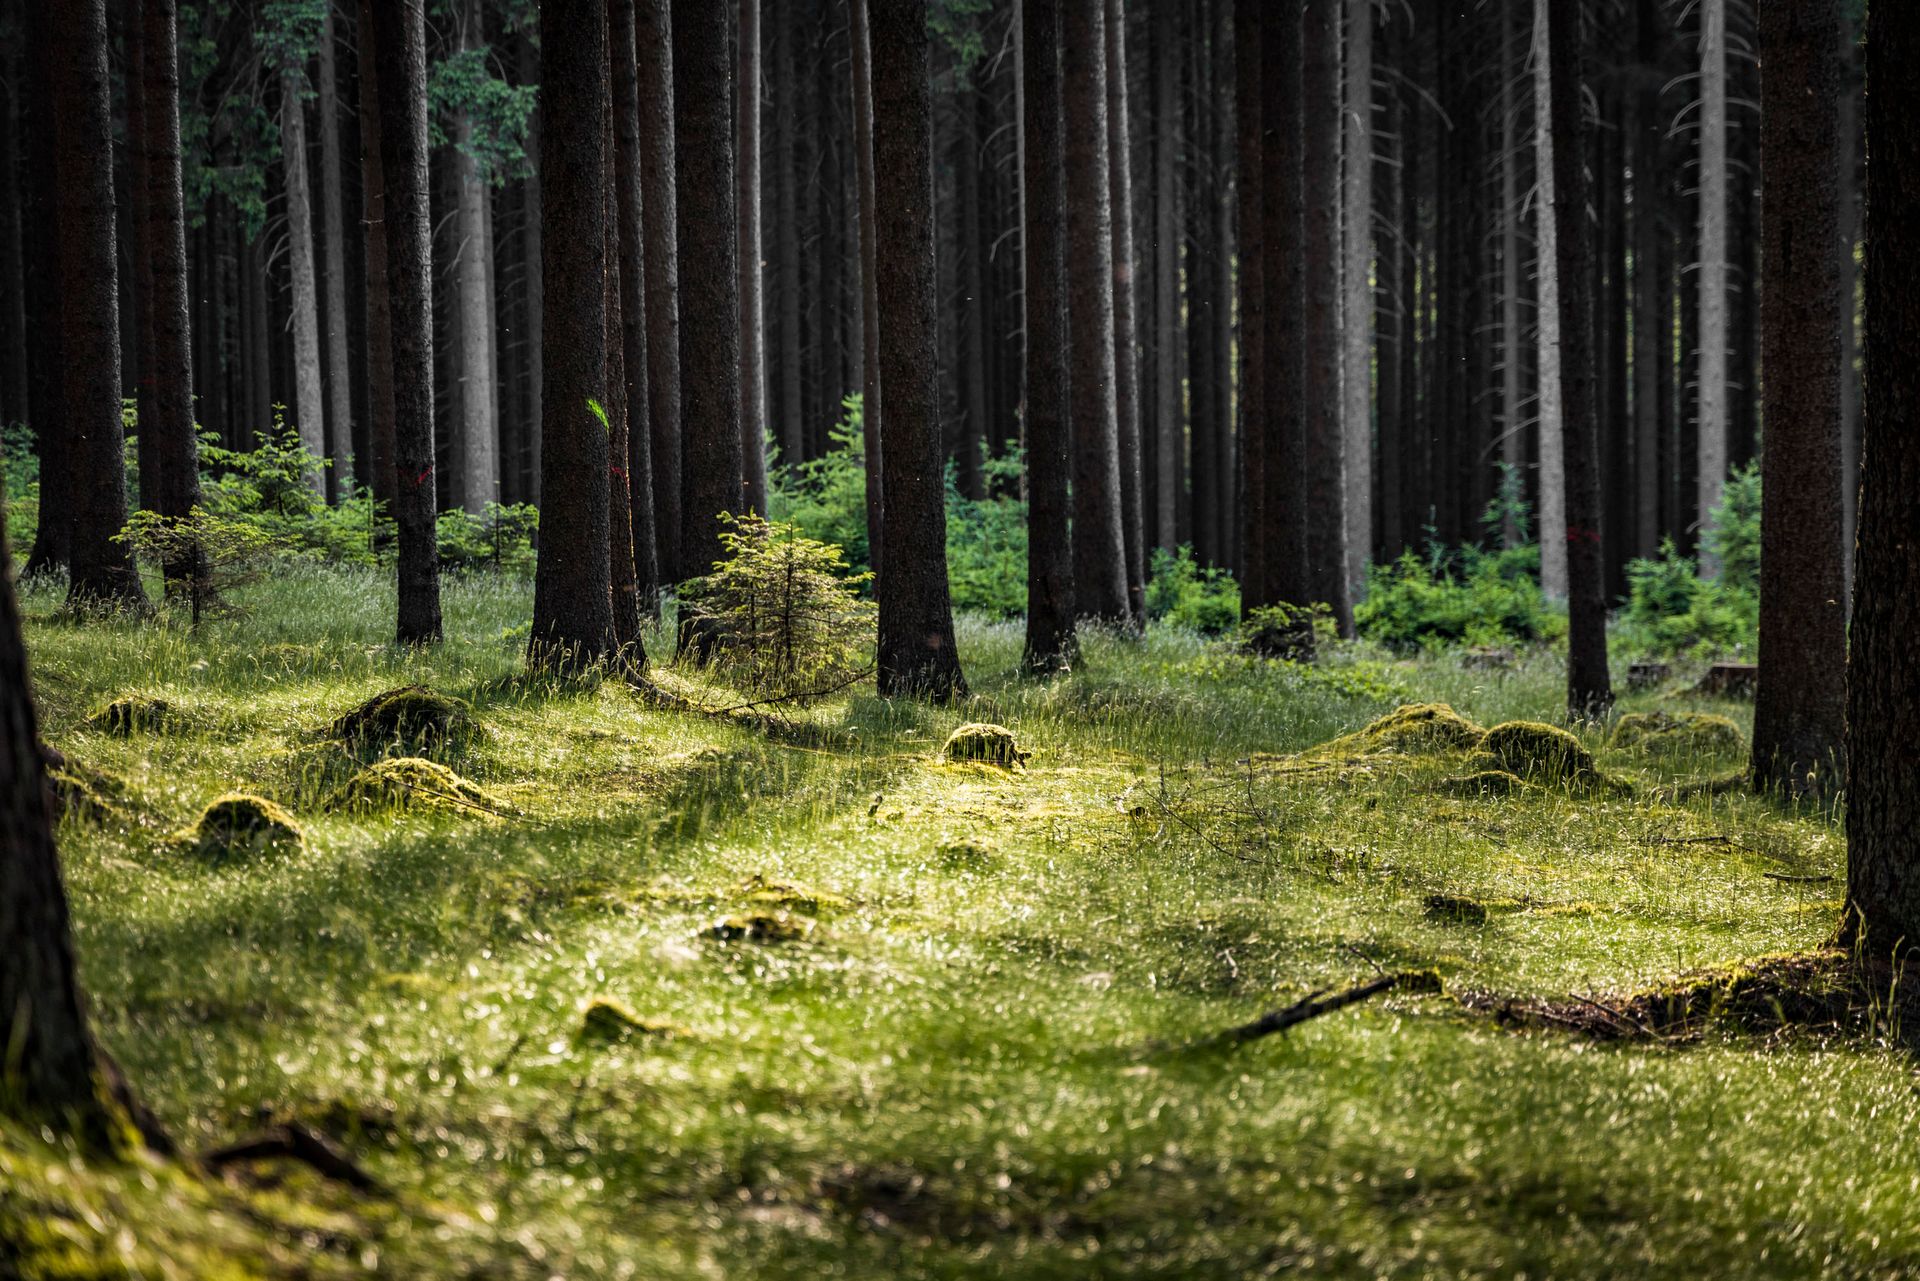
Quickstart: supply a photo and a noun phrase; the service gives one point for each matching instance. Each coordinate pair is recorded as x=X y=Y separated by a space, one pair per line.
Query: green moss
x=763 y=895
x=1678 y=734
x=1454 y=909
x=1486 y=782
x=410 y=716
x=608 y=1019
x=992 y=744
x=1537 y=753
x=132 y=714
x=83 y=793
x=967 y=856
x=1411 y=729
x=413 y=782
x=239 y=825
x=760 y=927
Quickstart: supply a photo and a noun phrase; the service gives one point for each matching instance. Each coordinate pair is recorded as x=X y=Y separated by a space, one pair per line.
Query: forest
x=950 y=638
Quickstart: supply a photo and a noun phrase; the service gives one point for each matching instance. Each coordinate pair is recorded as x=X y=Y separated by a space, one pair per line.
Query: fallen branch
x=1314 y=1004
x=295 y=1142
x=1788 y=879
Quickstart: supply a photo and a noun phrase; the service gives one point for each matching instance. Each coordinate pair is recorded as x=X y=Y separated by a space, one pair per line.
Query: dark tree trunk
x=102 y=569
x=659 y=204
x=1051 y=643
x=136 y=278
x=621 y=580
x=333 y=247
x=1255 y=74
x=1099 y=546
x=870 y=393
x=1126 y=356
x=53 y=541
x=169 y=449
x=1799 y=711
x=380 y=393
x=1883 y=682
x=1589 y=688
x=533 y=248
x=917 y=654
x=53 y=1070
x=400 y=56
x=1321 y=411
x=710 y=302
x=1169 y=447
x=572 y=601
x=628 y=182
x=1644 y=129
x=753 y=329
x=15 y=406
x=790 y=420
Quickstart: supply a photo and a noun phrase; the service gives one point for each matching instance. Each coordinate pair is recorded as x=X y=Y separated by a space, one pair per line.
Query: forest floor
x=868 y=1014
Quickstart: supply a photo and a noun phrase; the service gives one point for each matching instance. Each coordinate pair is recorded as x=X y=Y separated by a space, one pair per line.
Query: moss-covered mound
x=412 y=782
x=763 y=895
x=81 y=792
x=410 y=716
x=1678 y=734
x=239 y=825
x=132 y=714
x=1452 y=909
x=1410 y=729
x=1485 y=783
x=1537 y=753
x=606 y=1020
x=992 y=744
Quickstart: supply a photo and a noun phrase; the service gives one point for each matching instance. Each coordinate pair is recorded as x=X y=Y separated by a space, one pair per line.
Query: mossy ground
x=953 y=1072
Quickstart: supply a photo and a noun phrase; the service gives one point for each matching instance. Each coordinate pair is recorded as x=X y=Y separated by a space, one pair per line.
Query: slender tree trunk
x=309 y=405
x=136 y=280
x=1589 y=689
x=89 y=315
x=1713 y=269
x=1513 y=441
x=14 y=402
x=400 y=57
x=791 y=425
x=870 y=391
x=1320 y=113
x=1126 y=355
x=1550 y=417
x=532 y=246
x=1800 y=709
x=1169 y=446
x=1883 y=679
x=1849 y=284
x=478 y=432
x=1099 y=547
x=373 y=201
x=40 y=272
x=917 y=654
x=333 y=238
x=1051 y=643
x=659 y=212
x=1644 y=128
x=753 y=327
x=1255 y=75
x=1394 y=311
x=709 y=267
x=628 y=184
x=1356 y=320
x=1220 y=70
x=622 y=586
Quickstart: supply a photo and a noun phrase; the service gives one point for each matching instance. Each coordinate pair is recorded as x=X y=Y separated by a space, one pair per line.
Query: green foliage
x=1470 y=596
x=1184 y=593
x=268 y=487
x=987 y=540
x=1733 y=530
x=961 y=26
x=500 y=538
x=231 y=551
x=19 y=487
x=1671 y=609
x=288 y=32
x=498 y=113
x=826 y=499
x=785 y=613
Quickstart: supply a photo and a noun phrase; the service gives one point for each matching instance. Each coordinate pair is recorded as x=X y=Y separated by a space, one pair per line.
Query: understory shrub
x=1185 y=593
x=1464 y=596
x=1671 y=609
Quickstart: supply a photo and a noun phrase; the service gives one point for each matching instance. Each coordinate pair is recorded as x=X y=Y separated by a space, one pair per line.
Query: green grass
x=977 y=1062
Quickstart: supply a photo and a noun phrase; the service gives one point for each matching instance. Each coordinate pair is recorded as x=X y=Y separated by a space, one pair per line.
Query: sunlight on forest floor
x=689 y=996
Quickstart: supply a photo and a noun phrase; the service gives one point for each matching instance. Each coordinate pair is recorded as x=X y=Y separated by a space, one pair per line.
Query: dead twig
x=293 y=1141
x=1788 y=879
x=1314 y=1004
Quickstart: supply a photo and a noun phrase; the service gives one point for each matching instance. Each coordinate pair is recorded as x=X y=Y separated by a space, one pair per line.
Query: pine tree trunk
x=870 y=390
x=628 y=182
x=1799 y=711
x=40 y=266
x=659 y=206
x=309 y=405
x=1513 y=440
x=917 y=655
x=753 y=327
x=1169 y=448
x=1712 y=418
x=89 y=318
x=1589 y=689
x=1883 y=680
x=1252 y=74
x=380 y=392
x=400 y=57
x=709 y=271
x=1643 y=130
x=1320 y=114
x=1849 y=284
x=791 y=424
x=333 y=238
x=1393 y=309
x=532 y=246
x=1126 y=354
x=15 y=406
x=1356 y=319
x=1550 y=418
x=623 y=590
x=136 y=279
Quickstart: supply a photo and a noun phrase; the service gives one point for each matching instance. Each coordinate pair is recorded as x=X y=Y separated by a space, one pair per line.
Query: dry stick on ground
x=1693 y=840
x=1797 y=880
x=1310 y=1007
x=295 y=1142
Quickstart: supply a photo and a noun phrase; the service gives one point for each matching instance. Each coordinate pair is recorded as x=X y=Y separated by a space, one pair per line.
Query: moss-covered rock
x=81 y=792
x=413 y=782
x=1537 y=753
x=132 y=714
x=1410 y=729
x=991 y=744
x=239 y=825
x=410 y=716
x=1678 y=734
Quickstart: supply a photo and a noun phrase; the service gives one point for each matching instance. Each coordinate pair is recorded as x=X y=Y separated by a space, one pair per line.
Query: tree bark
x=917 y=656
x=1589 y=689
x=790 y=419
x=1126 y=355
x=1513 y=440
x=753 y=326
x=659 y=205
x=309 y=405
x=1169 y=447
x=1551 y=415
x=1256 y=75
x=1799 y=710
x=1099 y=547
x=88 y=276
x=400 y=58
x=709 y=268
x=1320 y=113
x=373 y=201
x=334 y=251
x=40 y=267
x=1356 y=316
x=1713 y=270
x=623 y=590
x=628 y=183
x=1883 y=679
x=15 y=405
x=478 y=448
x=870 y=390
x=532 y=247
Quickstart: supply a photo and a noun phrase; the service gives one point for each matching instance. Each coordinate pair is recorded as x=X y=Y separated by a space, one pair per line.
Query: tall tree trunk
x=309 y=405
x=870 y=391
x=532 y=246
x=1713 y=269
x=136 y=277
x=628 y=183
x=1052 y=644
x=917 y=655
x=1799 y=711
x=478 y=433
x=333 y=239
x=1883 y=679
x=400 y=59
x=1393 y=303
x=622 y=585
x=753 y=326
x=14 y=402
x=1551 y=414
x=1254 y=75
x=1126 y=354
x=791 y=424
x=1589 y=689
x=659 y=212
x=40 y=272
x=1513 y=440
x=169 y=449
x=373 y=201
x=1356 y=317
x=1644 y=129
x=76 y=56
x=1169 y=447
x=710 y=304
x=1320 y=115
x=1099 y=547
x=1849 y=284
